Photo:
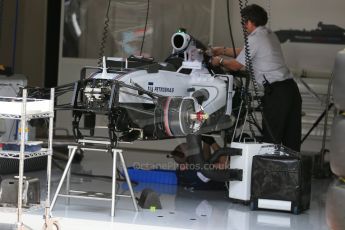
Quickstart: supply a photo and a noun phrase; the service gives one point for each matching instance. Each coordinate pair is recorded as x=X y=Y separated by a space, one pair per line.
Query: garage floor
x=182 y=208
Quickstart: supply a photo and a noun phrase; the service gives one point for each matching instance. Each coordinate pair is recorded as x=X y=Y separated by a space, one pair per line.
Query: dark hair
x=255 y=14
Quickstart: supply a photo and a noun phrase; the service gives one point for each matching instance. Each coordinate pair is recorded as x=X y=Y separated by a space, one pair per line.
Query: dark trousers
x=189 y=178
x=282 y=105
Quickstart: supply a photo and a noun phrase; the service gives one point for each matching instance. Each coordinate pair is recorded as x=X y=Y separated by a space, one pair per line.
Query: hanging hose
x=145 y=28
x=104 y=37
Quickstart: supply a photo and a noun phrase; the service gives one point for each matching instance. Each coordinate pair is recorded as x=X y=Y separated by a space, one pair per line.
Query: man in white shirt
x=282 y=100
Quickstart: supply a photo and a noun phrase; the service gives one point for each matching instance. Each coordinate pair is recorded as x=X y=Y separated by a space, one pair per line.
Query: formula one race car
x=147 y=100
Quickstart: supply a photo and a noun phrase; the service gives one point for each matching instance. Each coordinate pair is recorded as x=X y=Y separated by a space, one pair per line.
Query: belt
x=276 y=83
x=270 y=86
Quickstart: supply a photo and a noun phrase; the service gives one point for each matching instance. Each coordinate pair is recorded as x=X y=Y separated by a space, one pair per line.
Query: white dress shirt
x=266 y=55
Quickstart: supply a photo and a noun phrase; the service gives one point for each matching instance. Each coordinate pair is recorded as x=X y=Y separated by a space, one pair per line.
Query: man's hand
x=223 y=51
x=215 y=61
x=216 y=51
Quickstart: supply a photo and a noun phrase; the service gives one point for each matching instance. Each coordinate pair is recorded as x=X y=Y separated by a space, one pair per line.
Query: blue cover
x=153 y=176
x=158 y=188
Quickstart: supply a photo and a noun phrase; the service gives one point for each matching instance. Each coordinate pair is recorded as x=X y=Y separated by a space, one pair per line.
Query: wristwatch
x=221 y=61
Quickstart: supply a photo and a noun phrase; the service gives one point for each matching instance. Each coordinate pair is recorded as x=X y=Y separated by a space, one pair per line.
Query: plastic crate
x=153 y=176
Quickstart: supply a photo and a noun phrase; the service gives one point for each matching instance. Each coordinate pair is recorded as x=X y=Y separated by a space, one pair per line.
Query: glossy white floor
x=182 y=209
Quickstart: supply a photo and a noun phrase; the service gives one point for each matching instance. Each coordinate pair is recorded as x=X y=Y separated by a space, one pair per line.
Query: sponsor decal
x=159 y=89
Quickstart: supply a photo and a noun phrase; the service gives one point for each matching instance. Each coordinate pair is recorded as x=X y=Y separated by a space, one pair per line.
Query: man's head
x=254 y=16
x=179 y=153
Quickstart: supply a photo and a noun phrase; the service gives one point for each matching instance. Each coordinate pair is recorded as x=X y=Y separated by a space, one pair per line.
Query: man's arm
x=230 y=64
x=225 y=51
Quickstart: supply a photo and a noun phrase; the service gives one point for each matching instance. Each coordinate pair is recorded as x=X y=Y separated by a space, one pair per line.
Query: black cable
x=104 y=36
x=230 y=28
x=250 y=70
x=244 y=88
x=146 y=20
x=249 y=67
x=1 y=16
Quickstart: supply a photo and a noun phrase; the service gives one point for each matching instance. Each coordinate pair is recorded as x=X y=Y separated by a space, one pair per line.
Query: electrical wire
x=245 y=89
x=104 y=36
x=249 y=67
x=230 y=28
x=145 y=28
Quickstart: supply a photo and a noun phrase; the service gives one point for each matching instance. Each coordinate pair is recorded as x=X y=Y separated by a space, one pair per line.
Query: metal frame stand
x=89 y=195
x=323 y=169
x=27 y=113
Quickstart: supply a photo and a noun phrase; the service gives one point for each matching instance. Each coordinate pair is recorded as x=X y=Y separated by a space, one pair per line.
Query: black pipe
x=196 y=157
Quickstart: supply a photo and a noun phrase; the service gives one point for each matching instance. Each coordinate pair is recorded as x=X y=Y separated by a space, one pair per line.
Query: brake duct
x=194 y=148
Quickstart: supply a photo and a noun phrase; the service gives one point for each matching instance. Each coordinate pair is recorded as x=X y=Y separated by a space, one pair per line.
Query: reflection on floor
x=182 y=209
